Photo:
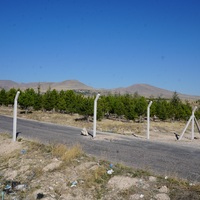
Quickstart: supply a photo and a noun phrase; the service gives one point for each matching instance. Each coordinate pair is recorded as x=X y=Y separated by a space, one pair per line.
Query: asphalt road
x=160 y=158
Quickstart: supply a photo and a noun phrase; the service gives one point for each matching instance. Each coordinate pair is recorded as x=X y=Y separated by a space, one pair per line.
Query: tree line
x=128 y=106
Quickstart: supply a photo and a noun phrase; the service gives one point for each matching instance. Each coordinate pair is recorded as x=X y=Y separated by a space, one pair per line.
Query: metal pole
x=95 y=115
x=15 y=116
x=193 y=116
x=148 y=118
x=191 y=119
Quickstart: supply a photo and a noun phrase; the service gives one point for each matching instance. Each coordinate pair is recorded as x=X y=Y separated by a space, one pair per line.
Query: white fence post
x=192 y=118
x=148 y=118
x=15 y=116
x=95 y=115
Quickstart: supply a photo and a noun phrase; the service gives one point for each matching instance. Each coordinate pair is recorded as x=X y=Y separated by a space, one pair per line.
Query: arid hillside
x=141 y=89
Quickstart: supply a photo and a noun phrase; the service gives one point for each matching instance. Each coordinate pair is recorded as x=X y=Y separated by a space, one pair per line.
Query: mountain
x=7 y=84
x=144 y=90
x=141 y=89
x=44 y=86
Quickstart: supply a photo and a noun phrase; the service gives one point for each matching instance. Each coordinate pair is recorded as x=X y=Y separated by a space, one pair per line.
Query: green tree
x=162 y=108
x=197 y=114
x=3 y=97
x=50 y=99
x=11 y=96
x=141 y=106
x=86 y=107
x=185 y=111
x=111 y=104
x=175 y=106
x=119 y=107
x=103 y=107
x=129 y=107
x=61 y=105
x=70 y=99
x=38 y=100
x=27 y=99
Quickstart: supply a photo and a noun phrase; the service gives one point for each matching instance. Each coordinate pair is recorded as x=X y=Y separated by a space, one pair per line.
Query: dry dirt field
x=30 y=170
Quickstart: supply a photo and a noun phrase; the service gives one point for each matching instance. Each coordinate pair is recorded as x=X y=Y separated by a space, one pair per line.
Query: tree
x=50 y=99
x=70 y=99
x=175 y=105
x=129 y=105
x=86 y=107
x=162 y=108
x=141 y=106
x=61 y=105
x=3 y=97
x=11 y=96
x=119 y=108
x=103 y=107
x=27 y=99
x=38 y=99
x=38 y=102
x=111 y=104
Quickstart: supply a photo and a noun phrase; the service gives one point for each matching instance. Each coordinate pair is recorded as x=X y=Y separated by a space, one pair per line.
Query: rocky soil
x=30 y=170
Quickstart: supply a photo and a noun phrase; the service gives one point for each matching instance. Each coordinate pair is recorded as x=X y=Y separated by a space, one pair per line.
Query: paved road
x=161 y=158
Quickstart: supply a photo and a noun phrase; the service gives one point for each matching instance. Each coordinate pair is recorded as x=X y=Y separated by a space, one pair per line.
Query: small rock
x=141 y=196
x=52 y=166
x=162 y=197
x=21 y=187
x=40 y=196
x=84 y=132
x=135 y=197
x=11 y=174
x=163 y=189
x=51 y=188
x=152 y=179
x=122 y=182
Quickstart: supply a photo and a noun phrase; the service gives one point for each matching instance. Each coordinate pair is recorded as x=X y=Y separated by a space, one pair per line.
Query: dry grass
x=67 y=154
x=59 y=150
x=105 y=125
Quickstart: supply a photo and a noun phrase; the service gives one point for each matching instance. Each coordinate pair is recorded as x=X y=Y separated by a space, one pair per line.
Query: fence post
x=95 y=115
x=15 y=116
x=148 y=118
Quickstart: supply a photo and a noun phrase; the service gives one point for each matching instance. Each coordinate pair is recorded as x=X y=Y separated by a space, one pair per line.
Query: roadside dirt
x=29 y=170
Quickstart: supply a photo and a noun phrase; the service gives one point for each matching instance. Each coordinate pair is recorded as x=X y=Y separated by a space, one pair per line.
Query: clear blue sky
x=102 y=43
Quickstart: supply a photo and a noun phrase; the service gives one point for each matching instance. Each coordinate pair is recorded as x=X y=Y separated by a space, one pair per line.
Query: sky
x=102 y=43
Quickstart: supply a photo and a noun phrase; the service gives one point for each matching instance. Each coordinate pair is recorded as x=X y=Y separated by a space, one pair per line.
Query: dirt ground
x=34 y=173
x=29 y=171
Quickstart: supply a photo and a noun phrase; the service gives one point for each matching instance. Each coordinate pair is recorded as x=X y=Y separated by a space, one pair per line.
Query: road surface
x=161 y=158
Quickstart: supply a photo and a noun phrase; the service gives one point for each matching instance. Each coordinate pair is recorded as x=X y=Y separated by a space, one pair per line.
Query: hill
x=150 y=91
x=141 y=89
x=44 y=86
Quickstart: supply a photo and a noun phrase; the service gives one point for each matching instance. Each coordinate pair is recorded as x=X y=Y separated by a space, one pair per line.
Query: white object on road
x=84 y=132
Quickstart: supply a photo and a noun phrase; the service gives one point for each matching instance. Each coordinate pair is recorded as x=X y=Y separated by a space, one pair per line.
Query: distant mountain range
x=141 y=89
